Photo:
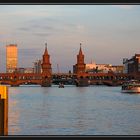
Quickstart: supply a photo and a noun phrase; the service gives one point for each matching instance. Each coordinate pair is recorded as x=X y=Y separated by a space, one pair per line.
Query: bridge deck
x=22 y=78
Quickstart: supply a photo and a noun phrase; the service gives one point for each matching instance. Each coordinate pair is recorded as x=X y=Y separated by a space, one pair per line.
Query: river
x=93 y=110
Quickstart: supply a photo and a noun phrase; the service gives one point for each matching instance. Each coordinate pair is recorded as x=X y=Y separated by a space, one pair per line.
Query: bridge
x=17 y=79
x=110 y=79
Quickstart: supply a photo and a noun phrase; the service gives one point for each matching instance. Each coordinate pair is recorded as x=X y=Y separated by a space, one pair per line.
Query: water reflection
x=96 y=110
x=81 y=89
x=13 y=113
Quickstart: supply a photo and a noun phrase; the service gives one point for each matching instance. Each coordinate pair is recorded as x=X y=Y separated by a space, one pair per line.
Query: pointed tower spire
x=80 y=51
x=46 y=45
x=46 y=50
x=80 y=66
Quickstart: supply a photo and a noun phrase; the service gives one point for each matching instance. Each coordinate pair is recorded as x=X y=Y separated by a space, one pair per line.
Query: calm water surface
x=94 y=110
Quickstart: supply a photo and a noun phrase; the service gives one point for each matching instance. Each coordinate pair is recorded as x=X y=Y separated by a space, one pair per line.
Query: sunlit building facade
x=11 y=58
x=29 y=70
x=104 y=68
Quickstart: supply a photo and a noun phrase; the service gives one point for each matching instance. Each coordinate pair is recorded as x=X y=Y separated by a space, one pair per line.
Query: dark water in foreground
x=96 y=110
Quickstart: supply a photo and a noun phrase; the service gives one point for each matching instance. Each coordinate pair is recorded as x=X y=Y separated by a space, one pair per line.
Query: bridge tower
x=80 y=66
x=46 y=65
x=79 y=70
x=46 y=68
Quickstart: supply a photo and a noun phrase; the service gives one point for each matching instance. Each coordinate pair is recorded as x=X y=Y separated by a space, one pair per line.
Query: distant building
x=98 y=67
x=20 y=70
x=90 y=67
x=118 y=69
x=37 y=66
x=24 y=70
x=132 y=66
x=11 y=58
x=104 y=68
x=29 y=70
x=80 y=66
x=125 y=64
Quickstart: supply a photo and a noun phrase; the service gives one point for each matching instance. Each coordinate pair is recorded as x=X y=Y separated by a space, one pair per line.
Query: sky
x=108 y=33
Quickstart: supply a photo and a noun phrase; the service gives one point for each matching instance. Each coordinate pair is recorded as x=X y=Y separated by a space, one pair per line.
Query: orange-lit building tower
x=80 y=66
x=11 y=58
x=46 y=65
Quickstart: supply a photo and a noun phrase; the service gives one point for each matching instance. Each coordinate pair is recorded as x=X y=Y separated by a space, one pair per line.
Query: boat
x=132 y=86
x=61 y=85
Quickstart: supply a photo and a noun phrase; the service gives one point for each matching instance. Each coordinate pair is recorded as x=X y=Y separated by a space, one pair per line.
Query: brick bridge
x=16 y=79
x=92 y=78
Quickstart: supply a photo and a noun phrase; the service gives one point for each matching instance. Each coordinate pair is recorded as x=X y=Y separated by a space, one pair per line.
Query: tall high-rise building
x=11 y=58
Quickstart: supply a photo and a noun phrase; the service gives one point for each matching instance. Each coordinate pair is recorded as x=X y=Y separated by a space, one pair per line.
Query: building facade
x=80 y=66
x=104 y=68
x=24 y=70
x=98 y=67
x=117 y=69
x=132 y=66
x=20 y=70
x=11 y=58
x=37 y=66
x=28 y=70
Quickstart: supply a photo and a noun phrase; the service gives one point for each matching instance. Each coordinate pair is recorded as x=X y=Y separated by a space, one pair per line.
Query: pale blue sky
x=108 y=33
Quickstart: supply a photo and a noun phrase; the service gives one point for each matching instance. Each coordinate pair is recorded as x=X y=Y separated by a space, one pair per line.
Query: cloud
x=35 y=27
x=49 y=26
x=41 y=30
x=41 y=27
x=42 y=34
x=24 y=29
x=127 y=7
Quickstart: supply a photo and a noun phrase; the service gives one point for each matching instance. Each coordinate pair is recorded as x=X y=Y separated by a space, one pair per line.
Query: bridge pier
x=13 y=85
x=14 y=82
x=46 y=82
x=82 y=82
